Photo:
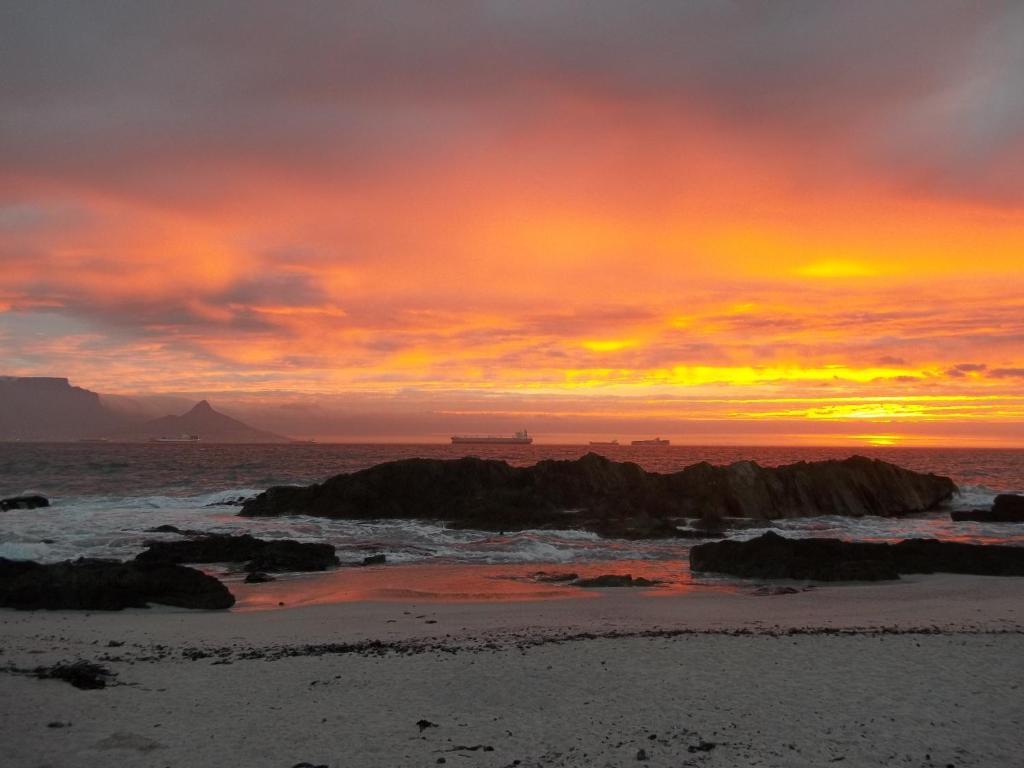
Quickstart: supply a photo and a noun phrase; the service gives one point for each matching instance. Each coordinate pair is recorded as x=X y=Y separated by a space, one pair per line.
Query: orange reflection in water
x=456 y=583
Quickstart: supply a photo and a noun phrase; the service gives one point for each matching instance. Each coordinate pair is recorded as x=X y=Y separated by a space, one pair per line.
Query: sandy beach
x=923 y=672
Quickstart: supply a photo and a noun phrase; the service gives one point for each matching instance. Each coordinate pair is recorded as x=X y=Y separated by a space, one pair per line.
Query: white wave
x=973 y=497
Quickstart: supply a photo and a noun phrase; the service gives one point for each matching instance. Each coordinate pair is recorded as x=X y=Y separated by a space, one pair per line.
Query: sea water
x=105 y=497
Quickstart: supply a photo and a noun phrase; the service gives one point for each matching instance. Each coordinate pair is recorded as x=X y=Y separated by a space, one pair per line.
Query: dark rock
x=24 y=502
x=257 y=577
x=235 y=502
x=1009 y=504
x=698 y=533
x=1007 y=508
x=177 y=530
x=259 y=555
x=972 y=515
x=931 y=556
x=545 y=576
x=288 y=555
x=165 y=529
x=424 y=724
x=81 y=674
x=613 y=580
x=772 y=556
x=107 y=585
x=611 y=498
x=641 y=527
x=374 y=560
x=641 y=754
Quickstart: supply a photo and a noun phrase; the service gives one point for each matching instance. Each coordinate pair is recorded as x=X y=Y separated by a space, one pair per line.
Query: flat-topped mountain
x=49 y=408
x=608 y=497
x=209 y=425
x=46 y=408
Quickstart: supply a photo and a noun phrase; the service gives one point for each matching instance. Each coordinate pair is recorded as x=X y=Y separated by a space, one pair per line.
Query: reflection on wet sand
x=449 y=582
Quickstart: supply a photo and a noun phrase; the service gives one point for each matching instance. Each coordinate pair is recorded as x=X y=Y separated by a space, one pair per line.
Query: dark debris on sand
x=84 y=675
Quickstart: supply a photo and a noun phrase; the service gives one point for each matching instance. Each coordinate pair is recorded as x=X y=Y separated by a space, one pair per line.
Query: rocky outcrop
x=257 y=554
x=1007 y=508
x=24 y=502
x=107 y=585
x=772 y=556
x=611 y=498
x=1008 y=504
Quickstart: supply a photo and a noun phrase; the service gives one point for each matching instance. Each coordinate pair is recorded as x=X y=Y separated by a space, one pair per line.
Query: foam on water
x=973 y=497
x=120 y=527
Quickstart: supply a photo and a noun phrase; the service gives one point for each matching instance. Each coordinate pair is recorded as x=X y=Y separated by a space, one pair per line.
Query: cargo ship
x=520 y=438
x=604 y=442
x=175 y=439
x=655 y=441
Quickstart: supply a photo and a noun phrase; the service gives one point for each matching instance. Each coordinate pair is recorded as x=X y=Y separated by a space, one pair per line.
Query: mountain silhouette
x=210 y=425
x=49 y=408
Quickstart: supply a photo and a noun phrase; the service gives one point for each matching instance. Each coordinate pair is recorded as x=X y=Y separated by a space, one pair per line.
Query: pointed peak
x=203 y=406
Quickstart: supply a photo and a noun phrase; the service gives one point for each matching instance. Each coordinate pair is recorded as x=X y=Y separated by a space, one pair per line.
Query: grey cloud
x=1006 y=373
x=109 y=91
x=960 y=371
x=277 y=287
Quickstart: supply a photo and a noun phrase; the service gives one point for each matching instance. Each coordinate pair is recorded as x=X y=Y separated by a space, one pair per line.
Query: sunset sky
x=720 y=222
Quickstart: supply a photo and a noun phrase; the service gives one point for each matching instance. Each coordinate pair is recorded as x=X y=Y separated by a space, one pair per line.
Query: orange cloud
x=639 y=238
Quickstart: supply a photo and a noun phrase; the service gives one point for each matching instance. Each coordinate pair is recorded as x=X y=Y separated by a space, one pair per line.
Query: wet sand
x=926 y=671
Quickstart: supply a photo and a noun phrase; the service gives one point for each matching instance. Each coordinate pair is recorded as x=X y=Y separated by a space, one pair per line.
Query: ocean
x=105 y=496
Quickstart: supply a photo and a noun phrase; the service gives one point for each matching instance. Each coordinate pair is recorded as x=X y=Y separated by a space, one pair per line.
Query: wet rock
x=176 y=529
x=931 y=556
x=24 y=502
x=553 y=577
x=107 y=585
x=258 y=577
x=258 y=554
x=1007 y=508
x=374 y=560
x=288 y=555
x=613 y=580
x=772 y=556
x=641 y=527
x=235 y=502
x=1009 y=504
x=84 y=675
x=611 y=498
